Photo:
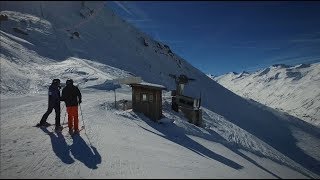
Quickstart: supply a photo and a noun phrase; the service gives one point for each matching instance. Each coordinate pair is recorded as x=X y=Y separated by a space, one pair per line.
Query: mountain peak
x=233 y=73
x=280 y=66
x=295 y=84
x=300 y=66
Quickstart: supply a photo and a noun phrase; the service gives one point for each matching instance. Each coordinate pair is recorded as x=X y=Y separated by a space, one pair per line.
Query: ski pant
x=73 y=120
x=56 y=107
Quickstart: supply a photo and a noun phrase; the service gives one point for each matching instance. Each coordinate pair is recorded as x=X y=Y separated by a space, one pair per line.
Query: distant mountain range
x=292 y=89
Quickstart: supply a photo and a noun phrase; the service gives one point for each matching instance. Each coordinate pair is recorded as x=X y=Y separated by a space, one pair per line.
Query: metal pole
x=64 y=117
x=85 y=131
x=82 y=116
x=115 y=99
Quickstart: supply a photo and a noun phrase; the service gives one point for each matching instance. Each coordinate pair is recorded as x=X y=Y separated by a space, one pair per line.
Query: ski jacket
x=54 y=94
x=71 y=95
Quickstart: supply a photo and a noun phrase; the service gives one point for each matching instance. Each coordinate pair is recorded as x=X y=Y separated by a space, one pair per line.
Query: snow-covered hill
x=51 y=26
x=292 y=89
x=86 y=41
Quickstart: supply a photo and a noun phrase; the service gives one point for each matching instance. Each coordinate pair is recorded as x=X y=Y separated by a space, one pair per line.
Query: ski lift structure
x=188 y=105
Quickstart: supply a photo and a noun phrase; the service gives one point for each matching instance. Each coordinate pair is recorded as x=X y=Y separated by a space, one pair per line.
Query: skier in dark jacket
x=53 y=103
x=72 y=97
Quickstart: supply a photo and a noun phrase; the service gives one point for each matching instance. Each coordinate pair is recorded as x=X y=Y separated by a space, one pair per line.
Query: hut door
x=151 y=104
x=145 y=103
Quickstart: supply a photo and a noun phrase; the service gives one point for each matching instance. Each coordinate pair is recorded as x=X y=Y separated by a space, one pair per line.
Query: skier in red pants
x=72 y=97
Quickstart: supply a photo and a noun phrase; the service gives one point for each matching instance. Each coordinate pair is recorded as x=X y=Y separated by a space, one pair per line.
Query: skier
x=72 y=97
x=53 y=103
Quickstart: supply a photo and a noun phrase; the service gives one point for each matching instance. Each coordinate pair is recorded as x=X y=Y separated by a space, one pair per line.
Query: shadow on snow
x=80 y=150
x=262 y=122
x=177 y=135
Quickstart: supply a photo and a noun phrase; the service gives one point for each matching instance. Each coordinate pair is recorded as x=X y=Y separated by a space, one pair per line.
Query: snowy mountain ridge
x=121 y=48
x=292 y=89
x=86 y=41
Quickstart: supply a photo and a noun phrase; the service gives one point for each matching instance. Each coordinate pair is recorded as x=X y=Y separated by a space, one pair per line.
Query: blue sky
x=223 y=36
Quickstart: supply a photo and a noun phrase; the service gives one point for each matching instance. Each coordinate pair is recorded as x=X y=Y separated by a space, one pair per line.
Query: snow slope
x=239 y=138
x=291 y=89
x=50 y=25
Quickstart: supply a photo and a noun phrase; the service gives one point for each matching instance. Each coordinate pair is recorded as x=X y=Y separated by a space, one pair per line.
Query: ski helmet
x=69 y=81
x=56 y=81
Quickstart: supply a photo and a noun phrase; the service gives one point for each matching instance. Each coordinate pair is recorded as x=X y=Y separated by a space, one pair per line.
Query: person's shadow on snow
x=59 y=146
x=87 y=155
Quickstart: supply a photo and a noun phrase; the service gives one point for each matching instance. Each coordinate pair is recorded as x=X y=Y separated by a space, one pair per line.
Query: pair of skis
x=63 y=127
x=77 y=133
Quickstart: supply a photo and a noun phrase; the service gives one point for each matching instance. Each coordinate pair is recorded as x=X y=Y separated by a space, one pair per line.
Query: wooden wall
x=147 y=101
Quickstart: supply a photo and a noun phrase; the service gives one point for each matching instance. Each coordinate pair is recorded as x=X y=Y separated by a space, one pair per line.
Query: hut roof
x=148 y=85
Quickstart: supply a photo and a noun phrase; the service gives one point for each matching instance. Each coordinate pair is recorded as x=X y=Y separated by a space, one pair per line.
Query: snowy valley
x=87 y=42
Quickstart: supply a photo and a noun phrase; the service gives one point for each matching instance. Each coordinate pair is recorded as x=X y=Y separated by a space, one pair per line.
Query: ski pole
x=81 y=116
x=65 y=113
x=85 y=131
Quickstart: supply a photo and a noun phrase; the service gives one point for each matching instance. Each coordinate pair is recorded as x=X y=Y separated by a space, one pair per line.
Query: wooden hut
x=147 y=99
